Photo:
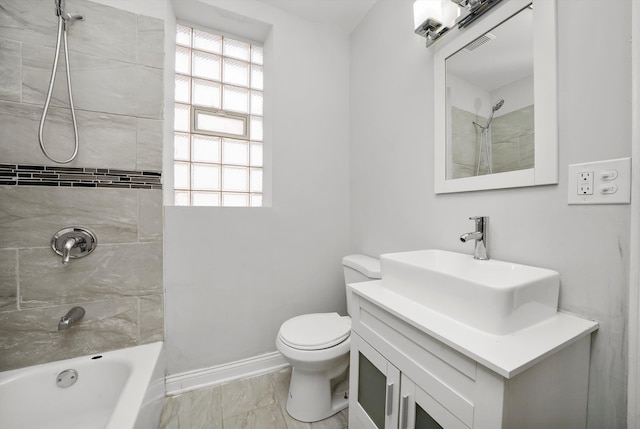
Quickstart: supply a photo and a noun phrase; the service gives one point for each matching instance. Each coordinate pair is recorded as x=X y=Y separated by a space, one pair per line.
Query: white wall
x=391 y=166
x=155 y=8
x=232 y=275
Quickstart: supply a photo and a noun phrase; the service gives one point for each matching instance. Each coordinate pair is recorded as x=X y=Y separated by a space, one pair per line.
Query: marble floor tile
x=268 y=417
x=200 y=409
x=254 y=403
x=246 y=395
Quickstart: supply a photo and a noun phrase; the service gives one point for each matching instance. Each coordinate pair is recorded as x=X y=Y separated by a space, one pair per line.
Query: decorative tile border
x=78 y=177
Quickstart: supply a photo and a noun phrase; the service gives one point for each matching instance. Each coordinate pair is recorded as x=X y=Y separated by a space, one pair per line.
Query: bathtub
x=121 y=389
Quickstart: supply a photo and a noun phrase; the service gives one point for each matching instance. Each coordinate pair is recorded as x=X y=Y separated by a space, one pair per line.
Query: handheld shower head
x=494 y=109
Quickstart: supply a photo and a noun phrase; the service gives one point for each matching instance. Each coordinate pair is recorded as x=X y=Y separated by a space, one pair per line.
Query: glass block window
x=218 y=120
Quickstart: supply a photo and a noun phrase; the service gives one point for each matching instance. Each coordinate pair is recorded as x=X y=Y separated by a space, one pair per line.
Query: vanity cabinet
x=403 y=378
x=387 y=398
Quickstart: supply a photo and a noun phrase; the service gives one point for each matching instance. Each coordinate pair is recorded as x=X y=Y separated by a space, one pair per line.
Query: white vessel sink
x=492 y=296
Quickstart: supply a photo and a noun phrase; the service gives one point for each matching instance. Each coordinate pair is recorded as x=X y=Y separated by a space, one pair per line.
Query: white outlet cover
x=602 y=182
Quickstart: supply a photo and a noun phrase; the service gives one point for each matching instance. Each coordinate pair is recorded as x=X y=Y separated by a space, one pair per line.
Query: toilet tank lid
x=367 y=265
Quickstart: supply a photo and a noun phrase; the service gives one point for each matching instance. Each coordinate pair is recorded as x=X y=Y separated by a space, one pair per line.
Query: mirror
x=495 y=94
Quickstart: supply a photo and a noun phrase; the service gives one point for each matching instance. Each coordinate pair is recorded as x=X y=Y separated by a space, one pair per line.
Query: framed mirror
x=496 y=101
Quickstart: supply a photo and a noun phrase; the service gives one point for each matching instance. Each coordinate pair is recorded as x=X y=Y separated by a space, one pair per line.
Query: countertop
x=507 y=355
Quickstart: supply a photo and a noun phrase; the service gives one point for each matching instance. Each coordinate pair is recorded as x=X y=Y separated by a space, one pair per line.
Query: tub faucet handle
x=73 y=242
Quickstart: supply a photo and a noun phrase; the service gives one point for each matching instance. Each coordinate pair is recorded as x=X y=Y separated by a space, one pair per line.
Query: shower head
x=494 y=109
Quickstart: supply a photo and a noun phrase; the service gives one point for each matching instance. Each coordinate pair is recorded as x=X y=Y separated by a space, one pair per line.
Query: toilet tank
x=359 y=268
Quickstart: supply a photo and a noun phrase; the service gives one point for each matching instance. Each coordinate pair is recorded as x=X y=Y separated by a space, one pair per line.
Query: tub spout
x=72 y=316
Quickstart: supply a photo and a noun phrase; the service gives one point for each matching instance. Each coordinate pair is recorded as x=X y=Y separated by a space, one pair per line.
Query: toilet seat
x=315 y=331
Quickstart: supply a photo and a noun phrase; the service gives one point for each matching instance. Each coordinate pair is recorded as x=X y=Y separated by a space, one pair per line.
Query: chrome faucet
x=480 y=237
x=72 y=316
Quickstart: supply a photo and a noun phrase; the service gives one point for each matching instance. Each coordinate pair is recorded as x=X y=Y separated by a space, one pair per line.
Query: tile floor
x=253 y=403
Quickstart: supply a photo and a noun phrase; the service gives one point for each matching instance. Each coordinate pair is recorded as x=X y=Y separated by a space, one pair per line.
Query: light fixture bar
x=433 y=18
x=475 y=9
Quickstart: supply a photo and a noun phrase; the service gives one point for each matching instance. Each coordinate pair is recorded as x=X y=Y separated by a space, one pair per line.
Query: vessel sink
x=492 y=296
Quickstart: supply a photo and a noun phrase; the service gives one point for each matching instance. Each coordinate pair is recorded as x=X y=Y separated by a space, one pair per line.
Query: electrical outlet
x=602 y=182
x=585 y=183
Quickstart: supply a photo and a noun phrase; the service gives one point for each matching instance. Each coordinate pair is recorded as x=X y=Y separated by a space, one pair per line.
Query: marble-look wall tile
x=31 y=215
x=151 y=318
x=149 y=144
x=106 y=140
x=8 y=279
x=116 y=62
x=527 y=151
x=150 y=215
x=99 y=84
x=463 y=136
x=30 y=337
x=505 y=156
x=10 y=70
x=513 y=125
x=103 y=31
x=150 y=41
x=111 y=271
x=461 y=170
x=29 y=21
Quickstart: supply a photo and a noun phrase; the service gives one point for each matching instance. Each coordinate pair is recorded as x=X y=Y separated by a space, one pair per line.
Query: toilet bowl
x=317 y=347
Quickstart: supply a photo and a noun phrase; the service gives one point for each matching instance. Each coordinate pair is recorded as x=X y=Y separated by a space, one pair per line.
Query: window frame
x=253 y=190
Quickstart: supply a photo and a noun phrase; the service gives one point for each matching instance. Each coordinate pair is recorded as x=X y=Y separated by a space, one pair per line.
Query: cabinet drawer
x=443 y=373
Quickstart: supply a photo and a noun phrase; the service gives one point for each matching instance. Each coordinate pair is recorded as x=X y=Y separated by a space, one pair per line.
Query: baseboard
x=215 y=375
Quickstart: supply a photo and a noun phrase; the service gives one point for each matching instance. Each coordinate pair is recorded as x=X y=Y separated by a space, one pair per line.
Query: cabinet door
x=374 y=388
x=418 y=410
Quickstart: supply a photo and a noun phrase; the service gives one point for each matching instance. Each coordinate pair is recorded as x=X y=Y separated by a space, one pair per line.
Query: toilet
x=317 y=347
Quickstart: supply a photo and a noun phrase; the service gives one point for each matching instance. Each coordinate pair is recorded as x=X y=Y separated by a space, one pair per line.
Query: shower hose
x=62 y=34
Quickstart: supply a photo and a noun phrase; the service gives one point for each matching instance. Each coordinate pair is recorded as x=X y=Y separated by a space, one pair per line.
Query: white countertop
x=507 y=355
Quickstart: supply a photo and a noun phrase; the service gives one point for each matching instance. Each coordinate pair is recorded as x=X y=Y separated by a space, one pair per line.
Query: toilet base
x=326 y=397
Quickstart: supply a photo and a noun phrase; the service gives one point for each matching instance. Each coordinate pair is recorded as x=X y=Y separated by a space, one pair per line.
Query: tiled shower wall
x=112 y=188
x=512 y=142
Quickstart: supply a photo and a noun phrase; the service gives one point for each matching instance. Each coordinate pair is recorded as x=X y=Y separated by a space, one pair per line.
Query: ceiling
x=505 y=58
x=342 y=14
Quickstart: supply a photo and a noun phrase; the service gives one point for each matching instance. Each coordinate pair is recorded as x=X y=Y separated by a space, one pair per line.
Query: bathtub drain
x=67 y=378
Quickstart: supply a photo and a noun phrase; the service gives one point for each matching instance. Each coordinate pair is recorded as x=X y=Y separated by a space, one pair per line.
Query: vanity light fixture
x=433 y=18
x=473 y=9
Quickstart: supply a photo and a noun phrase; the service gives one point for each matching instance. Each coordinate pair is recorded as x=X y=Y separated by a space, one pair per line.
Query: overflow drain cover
x=67 y=378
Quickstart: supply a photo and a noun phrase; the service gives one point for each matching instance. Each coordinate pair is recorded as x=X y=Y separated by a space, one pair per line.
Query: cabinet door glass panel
x=424 y=420
x=371 y=390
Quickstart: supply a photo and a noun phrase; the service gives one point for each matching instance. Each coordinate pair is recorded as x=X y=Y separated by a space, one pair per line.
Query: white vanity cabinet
x=404 y=376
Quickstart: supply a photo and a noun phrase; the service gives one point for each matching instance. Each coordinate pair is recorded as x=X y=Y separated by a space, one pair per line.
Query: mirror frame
x=545 y=70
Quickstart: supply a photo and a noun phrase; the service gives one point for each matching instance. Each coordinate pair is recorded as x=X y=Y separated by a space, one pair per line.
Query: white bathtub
x=121 y=389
